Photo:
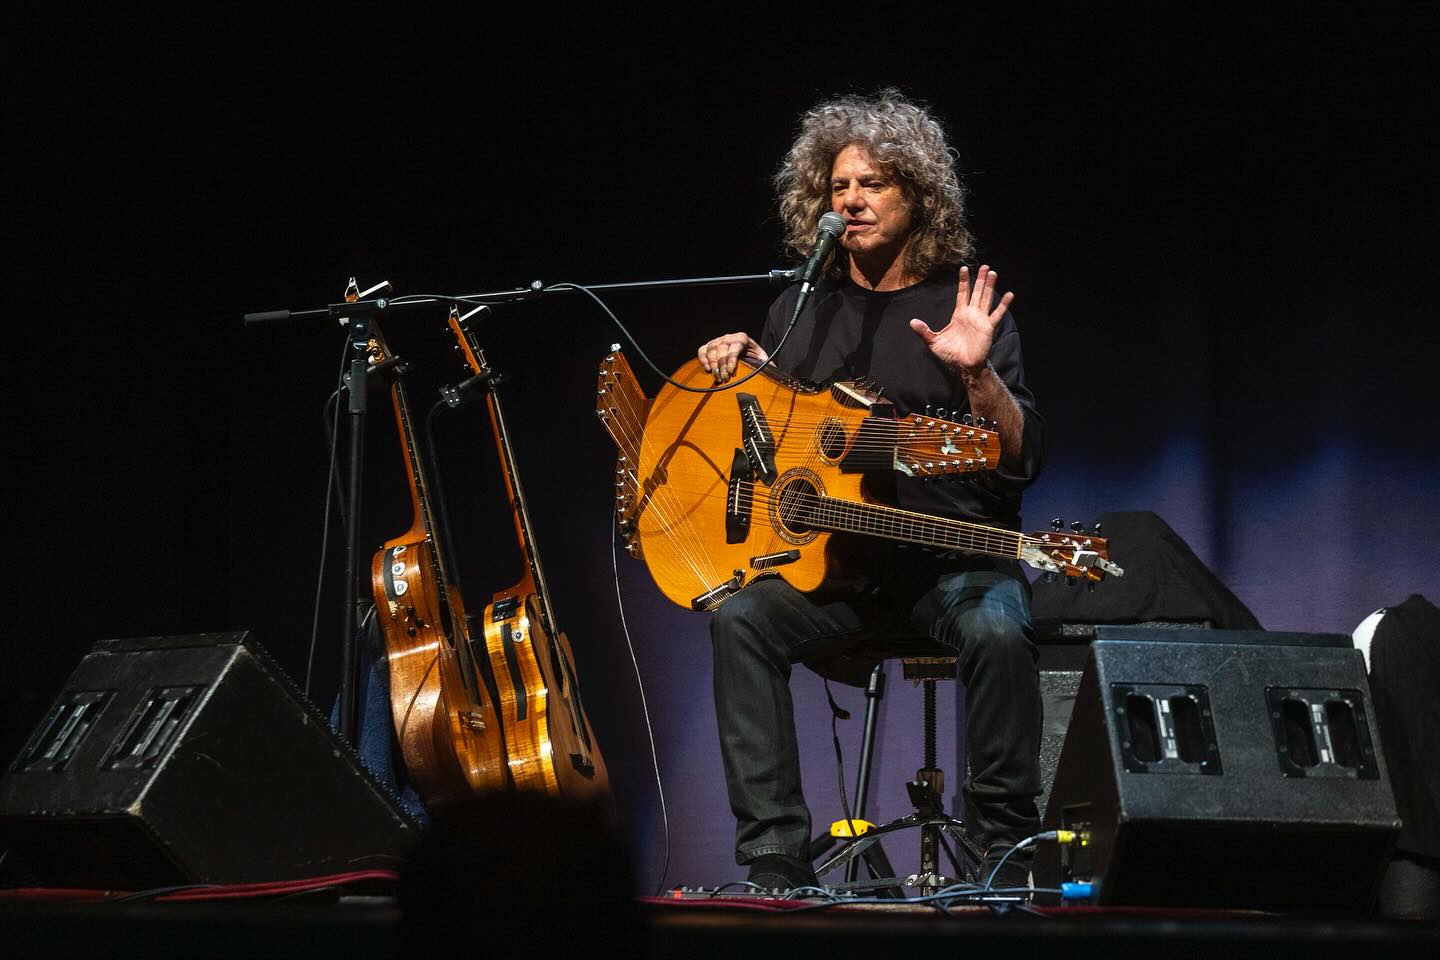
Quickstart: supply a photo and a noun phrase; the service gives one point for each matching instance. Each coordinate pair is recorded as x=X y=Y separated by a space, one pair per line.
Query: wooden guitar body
x=452 y=748
x=548 y=737
x=705 y=520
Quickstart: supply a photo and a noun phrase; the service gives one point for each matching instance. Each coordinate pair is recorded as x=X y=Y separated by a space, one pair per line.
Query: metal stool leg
x=875 y=854
x=872 y=853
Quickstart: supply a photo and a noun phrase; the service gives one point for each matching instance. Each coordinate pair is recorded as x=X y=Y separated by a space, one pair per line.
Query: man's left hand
x=964 y=343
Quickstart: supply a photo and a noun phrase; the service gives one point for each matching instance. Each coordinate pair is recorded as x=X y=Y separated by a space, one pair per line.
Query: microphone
x=831 y=227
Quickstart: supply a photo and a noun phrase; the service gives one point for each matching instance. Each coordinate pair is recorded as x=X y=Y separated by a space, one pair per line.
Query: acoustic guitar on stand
x=548 y=737
x=448 y=730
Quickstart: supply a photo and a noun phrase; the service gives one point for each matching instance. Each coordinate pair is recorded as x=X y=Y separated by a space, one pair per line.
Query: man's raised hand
x=964 y=343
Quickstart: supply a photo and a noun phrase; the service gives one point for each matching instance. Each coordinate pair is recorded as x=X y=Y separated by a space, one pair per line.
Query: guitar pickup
x=504 y=609
x=756 y=438
x=739 y=498
x=768 y=560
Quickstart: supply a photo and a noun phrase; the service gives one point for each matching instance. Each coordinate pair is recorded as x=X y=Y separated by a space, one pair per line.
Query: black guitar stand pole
x=359 y=387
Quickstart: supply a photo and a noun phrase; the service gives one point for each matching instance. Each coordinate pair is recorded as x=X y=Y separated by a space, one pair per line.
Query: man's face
x=877 y=215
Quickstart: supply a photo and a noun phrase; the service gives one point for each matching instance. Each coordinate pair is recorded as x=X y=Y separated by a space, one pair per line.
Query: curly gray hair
x=898 y=134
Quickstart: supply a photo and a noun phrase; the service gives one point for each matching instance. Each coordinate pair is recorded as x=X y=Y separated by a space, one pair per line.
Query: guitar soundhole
x=832 y=439
x=793 y=506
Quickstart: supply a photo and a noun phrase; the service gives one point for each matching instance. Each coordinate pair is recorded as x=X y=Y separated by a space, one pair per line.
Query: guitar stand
x=926 y=793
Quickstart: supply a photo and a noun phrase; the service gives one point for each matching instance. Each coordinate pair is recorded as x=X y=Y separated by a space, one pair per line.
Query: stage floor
x=363 y=927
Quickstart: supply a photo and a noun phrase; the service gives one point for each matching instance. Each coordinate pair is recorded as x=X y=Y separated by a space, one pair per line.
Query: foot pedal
x=842 y=828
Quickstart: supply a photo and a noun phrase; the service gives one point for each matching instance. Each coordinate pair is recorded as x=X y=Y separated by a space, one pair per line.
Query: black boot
x=776 y=871
x=1013 y=874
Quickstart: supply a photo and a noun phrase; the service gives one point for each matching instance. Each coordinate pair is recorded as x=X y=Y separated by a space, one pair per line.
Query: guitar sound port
x=832 y=439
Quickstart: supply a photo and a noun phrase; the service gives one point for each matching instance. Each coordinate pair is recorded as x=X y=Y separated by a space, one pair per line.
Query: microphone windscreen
x=832 y=223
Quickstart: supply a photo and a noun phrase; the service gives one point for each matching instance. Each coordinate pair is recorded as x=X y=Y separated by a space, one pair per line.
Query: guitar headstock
x=618 y=394
x=621 y=405
x=465 y=339
x=375 y=347
x=1073 y=553
x=932 y=447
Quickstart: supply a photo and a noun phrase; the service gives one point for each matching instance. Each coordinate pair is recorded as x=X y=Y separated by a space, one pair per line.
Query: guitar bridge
x=758 y=441
x=768 y=560
x=717 y=595
x=739 y=498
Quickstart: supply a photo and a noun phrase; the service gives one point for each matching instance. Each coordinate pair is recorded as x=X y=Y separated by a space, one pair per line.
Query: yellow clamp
x=841 y=828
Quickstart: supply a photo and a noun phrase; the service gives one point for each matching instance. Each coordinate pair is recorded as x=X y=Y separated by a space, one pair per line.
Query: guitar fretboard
x=847 y=516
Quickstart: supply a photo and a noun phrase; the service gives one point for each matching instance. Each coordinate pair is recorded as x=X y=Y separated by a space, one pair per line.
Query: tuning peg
x=1095 y=529
x=1076 y=526
x=967 y=419
x=928 y=408
x=1089 y=586
x=1056 y=524
x=981 y=422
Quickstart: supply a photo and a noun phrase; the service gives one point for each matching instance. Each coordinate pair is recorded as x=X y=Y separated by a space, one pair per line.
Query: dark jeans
x=982 y=614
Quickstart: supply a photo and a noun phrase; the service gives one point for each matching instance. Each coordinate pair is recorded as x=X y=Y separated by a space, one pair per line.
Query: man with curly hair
x=899 y=305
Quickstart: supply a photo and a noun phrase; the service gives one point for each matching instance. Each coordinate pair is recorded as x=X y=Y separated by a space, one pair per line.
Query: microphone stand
x=535 y=291
x=361 y=313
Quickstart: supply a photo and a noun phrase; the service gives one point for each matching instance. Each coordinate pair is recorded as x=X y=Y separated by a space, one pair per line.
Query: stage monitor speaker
x=175 y=760
x=1222 y=768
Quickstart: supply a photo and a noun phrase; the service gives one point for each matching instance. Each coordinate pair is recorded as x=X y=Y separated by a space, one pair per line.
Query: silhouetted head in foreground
x=521 y=873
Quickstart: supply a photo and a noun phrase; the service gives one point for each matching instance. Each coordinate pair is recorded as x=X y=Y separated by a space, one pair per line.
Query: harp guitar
x=715 y=489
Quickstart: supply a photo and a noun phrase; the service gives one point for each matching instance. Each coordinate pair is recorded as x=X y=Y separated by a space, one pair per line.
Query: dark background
x=1220 y=232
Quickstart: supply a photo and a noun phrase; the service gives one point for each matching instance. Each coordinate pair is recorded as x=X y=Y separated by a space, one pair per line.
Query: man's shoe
x=1013 y=874
x=776 y=871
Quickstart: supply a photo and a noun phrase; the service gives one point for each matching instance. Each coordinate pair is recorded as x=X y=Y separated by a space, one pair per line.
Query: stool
x=923 y=664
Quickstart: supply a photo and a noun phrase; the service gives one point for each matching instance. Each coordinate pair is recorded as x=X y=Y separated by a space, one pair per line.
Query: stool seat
x=853 y=665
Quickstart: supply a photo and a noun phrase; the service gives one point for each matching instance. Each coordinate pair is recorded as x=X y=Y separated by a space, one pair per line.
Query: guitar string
x=912 y=421
x=687 y=549
x=837 y=515
x=830 y=514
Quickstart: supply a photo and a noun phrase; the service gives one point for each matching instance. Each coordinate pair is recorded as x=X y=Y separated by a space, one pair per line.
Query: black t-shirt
x=847 y=332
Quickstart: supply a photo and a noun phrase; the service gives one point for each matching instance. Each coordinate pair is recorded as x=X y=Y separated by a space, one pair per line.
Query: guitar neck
x=524 y=530
x=892 y=523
